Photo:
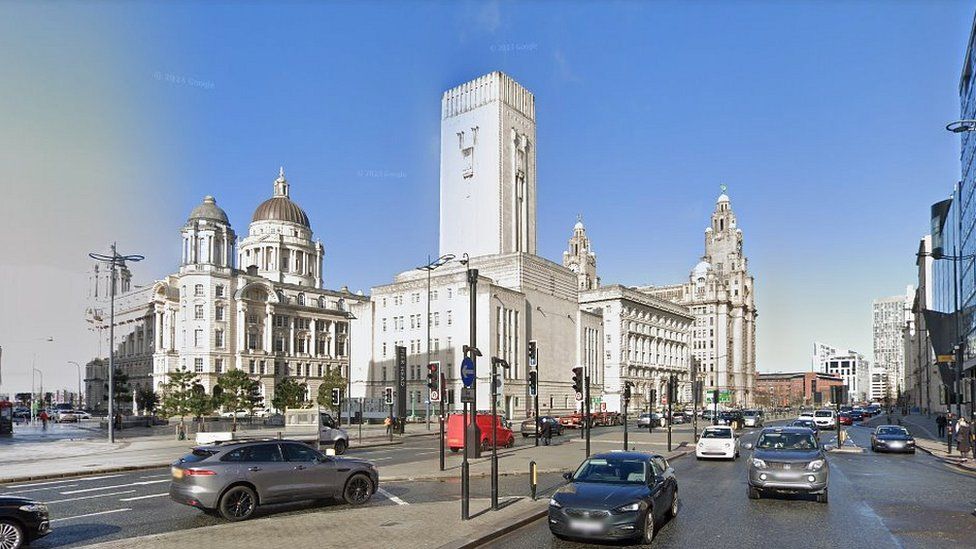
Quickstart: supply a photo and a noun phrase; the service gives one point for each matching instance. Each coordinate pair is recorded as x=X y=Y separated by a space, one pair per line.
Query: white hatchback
x=717 y=442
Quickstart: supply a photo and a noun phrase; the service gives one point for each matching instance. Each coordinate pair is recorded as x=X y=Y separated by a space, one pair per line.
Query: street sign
x=603 y=406
x=467 y=394
x=467 y=371
x=579 y=396
x=435 y=396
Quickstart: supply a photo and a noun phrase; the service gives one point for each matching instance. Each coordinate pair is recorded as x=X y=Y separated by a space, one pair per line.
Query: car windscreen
x=750 y=413
x=824 y=413
x=892 y=431
x=612 y=470
x=717 y=433
x=804 y=423
x=787 y=441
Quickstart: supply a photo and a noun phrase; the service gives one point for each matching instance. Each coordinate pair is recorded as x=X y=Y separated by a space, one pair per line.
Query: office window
x=198 y=365
x=198 y=290
x=219 y=365
x=250 y=367
x=198 y=312
x=197 y=338
x=450 y=318
x=219 y=312
x=384 y=352
x=384 y=329
x=219 y=338
x=219 y=290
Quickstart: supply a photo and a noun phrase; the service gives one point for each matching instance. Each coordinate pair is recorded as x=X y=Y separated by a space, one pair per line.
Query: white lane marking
x=62 y=480
x=93 y=514
x=144 y=497
x=391 y=497
x=141 y=483
x=156 y=476
x=56 y=487
x=425 y=453
x=91 y=497
x=379 y=459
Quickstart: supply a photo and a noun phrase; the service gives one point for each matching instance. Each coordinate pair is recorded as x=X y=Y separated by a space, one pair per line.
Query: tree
x=239 y=393
x=122 y=390
x=177 y=394
x=201 y=404
x=332 y=380
x=289 y=394
x=147 y=400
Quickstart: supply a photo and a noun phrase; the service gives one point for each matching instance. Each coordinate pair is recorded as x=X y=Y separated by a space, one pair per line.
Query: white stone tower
x=580 y=258
x=208 y=239
x=488 y=180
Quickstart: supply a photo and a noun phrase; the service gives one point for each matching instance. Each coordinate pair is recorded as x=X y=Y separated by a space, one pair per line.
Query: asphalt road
x=876 y=500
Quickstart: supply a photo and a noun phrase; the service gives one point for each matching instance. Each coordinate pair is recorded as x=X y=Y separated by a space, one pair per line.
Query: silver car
x=232 y=479
x=752 y=418
x=788 y=460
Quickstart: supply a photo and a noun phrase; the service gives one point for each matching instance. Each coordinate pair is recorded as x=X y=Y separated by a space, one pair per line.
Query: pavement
x=876 y=500
x=925 y=431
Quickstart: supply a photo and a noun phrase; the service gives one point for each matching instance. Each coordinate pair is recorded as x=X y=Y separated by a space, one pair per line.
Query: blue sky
x=825 y=120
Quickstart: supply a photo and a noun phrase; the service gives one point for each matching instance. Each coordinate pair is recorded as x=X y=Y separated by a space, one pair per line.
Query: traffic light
x=533 y=383
x=388 y=395
x=715 y=395
x=533 y=354
x=653 y=396
x=432 y=375
x=578 y=379
x=336 y=396
x=627 y=386
x=497 y=384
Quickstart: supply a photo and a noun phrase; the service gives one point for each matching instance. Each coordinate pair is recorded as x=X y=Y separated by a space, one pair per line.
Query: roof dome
x=208 y=210
x=701 y=269
x=279 y=207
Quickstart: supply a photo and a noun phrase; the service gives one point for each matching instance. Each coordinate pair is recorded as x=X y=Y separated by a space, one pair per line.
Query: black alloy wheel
x=238 y=503
x=358 y=490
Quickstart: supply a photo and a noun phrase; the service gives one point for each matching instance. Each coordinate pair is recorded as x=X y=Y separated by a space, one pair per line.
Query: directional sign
x=467 y=371
x=467 y=395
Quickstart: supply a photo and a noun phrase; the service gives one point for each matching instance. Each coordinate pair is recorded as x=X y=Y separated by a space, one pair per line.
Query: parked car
x=825 y=419
x=892 y=438
x=844 y=418
x=455 y=432
x=677 y=418
x=81 y=415
x=753 y=418
x=808 y=424
x=528 y=426
x=231 y=479
x=615 y=496
x=651 y=418
x=717 y=442
x=788 y=460
x=22 y=521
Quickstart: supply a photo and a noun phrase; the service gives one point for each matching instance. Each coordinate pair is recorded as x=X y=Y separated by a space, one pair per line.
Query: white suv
x=825 y=419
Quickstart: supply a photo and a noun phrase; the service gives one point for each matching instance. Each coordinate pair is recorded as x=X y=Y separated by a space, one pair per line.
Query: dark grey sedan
x=232 y=479
x=788 y=460
x=892 y=438
x=615 y=496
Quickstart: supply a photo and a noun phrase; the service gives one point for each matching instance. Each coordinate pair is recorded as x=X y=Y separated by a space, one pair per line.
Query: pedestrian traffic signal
x=533 y=354
x=533 y=383
x=578 y=379
x=336 y=396
x=388 y=395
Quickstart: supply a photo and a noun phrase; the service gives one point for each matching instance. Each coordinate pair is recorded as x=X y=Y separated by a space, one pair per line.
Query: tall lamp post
x=115 y=260
x=34 y=370
x=429 y=267
x=79 y=382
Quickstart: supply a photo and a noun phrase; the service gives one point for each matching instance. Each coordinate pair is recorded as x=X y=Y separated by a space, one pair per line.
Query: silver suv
x=788 y=460
x=231 y=479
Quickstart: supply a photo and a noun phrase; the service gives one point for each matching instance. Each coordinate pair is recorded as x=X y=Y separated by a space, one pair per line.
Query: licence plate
x=177 y=473
x=897 y=444
x=787 y=466
x=585 y=525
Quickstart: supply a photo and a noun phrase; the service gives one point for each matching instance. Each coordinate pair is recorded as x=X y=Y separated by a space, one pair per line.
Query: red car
x=845 y=419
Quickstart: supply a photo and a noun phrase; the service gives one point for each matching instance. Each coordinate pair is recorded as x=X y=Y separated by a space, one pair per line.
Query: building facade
x=488 y=220
x=890 y=316
x=854 y=369
x=269 y=317
x=720 y=293
x=581 y=259
x=647 y=341
x=793 y=389
x=923 y=388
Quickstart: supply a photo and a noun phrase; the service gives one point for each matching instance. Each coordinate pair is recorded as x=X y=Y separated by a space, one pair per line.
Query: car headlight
x=34 y=508
x=554 y=503
x=628 y=508
x=758 y=463
x=816 y=465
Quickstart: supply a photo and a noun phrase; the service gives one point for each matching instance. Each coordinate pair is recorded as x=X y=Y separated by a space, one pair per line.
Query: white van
x=825 y=419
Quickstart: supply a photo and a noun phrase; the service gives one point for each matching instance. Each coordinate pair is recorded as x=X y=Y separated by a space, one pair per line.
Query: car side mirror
x=747 y=446
x=568 y=476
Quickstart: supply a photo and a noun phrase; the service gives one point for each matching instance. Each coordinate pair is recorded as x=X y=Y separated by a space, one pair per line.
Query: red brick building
x=795 y=388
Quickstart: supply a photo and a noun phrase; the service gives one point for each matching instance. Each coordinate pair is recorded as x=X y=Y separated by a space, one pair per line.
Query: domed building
x=256 y=305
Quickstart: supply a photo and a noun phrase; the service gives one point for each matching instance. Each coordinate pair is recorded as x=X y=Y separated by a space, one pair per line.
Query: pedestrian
x=940 y=422
x=43 y=417
x=546 y=433
x=650 y=423
x=964 y=441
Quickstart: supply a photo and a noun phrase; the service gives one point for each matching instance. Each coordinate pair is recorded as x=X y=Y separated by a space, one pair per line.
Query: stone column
x=314 y=350
x=242 y=327
x=268 y=328
x=332 y=338
x=291 y=336
x=738 y=367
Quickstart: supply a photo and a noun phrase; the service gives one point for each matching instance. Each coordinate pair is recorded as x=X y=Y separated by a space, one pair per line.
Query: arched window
x=301 y=299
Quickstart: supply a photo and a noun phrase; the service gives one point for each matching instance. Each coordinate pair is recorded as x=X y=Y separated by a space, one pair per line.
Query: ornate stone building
x=269 y=317
x=720 y=295
x=581 y=259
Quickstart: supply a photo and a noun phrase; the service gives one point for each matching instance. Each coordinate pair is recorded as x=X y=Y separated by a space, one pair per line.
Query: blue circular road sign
x=467 y=371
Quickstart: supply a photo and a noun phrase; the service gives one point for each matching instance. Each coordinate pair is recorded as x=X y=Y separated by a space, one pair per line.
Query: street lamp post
x=79 y=381
x=429 y=267
x=115 y=261
x=35 y=393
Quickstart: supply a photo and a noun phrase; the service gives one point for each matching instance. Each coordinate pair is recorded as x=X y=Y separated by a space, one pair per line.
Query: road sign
x=603 y=406
x=579 y=396
x=435 y=396
x=467 y=394
x=467 y=371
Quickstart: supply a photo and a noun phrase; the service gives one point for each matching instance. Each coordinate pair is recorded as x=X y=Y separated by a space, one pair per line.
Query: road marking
x=62 y=480
x=93 y=514
x=144 y=497
x=379 y=459
x=142 y=483
x=425 y=453
x=157 y=476
x=91 y=497
x=391 y=497
x=59 y=486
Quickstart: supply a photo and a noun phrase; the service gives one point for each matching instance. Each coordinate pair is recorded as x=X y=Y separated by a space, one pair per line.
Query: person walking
x=964 y=441
x=43 y=417
x=940 y=422
x=388 y=422
x=546 y=433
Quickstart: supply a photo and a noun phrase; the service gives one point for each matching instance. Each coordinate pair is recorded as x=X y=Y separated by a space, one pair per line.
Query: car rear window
x=717 y=433
x=198 y=454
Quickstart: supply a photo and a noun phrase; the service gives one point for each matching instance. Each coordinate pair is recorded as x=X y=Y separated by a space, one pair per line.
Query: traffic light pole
x=586 y=406
x=626 y=404
x=671 y=394
x=440 y=376
x=536 y=405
